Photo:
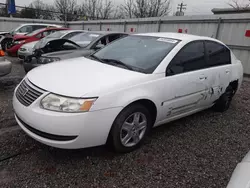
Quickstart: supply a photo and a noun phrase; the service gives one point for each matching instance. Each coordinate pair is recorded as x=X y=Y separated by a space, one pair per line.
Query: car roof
x=178 y=36
x=71 y=31
x=105 y=32
x=41 y=24
x=53 y=28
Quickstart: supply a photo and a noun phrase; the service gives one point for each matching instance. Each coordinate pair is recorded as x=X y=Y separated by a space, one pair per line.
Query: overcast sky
x=194 y=7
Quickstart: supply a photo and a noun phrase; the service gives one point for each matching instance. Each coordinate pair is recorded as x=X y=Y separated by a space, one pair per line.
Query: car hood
x=20 y=37
x=52 y=41
x=82 y=77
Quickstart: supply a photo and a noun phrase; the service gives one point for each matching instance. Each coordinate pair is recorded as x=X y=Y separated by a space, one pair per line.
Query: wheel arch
x=149 y=104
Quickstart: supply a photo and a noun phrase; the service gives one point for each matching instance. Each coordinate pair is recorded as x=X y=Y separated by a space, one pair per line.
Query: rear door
x=219 y=68
x=186 y=81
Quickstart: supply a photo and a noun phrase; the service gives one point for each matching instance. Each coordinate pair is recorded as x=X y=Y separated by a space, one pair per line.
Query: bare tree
x=98 y=9
x=106 y=9
x=90 y=8
x=146 y=8
x=237 y=4
x=127 y=8
x=67 y=8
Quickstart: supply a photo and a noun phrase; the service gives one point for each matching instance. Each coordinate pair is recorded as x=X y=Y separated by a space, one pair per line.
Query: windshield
x=34 y=32
x=57 y=34
x=84 y=39
x=141 y=52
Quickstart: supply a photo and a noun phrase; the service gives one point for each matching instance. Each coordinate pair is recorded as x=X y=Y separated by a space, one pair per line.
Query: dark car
x=80 y=45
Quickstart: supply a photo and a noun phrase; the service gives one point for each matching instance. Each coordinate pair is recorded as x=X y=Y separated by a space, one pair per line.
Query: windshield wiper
x=96 y=58
x=118 y=62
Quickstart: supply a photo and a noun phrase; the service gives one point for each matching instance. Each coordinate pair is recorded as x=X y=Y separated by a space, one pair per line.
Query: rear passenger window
x=190 y=58
x=218 y=54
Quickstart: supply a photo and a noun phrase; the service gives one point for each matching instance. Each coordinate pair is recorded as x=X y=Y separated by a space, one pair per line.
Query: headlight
x=65 y=104
x=24 y=50
x=19 y=42
x=44 y=60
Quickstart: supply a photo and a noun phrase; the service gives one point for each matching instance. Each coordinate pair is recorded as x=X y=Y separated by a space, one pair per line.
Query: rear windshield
x=57 y=34
x=83 y=39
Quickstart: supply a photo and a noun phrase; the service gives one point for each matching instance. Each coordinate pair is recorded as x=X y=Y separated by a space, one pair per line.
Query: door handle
x=203 y=77
x=227 y=71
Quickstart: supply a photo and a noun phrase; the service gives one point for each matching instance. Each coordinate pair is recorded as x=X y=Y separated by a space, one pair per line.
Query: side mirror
x=99 y=46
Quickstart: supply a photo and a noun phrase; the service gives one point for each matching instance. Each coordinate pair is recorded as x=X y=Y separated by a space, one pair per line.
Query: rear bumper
x=5 y=66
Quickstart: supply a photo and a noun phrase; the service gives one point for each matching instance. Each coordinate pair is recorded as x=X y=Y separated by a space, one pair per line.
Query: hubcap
x=133 y=129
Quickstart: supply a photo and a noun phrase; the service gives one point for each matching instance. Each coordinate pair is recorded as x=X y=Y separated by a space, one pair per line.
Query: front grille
x=27 y=93
x=46 y=135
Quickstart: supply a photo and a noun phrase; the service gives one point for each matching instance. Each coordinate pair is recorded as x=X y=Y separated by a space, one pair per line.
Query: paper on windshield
x=93 y=35
x=167 y=40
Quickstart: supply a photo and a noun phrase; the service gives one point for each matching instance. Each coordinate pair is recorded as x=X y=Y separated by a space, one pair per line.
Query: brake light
x=2 y=53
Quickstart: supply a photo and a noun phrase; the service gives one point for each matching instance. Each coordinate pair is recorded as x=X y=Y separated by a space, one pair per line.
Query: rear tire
x=224 y=102
x=127 y=134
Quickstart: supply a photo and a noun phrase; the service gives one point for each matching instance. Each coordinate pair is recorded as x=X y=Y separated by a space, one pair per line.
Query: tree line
x=70 y=10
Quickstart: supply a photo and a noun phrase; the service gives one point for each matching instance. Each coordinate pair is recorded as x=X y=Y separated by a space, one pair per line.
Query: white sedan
x=119 y=93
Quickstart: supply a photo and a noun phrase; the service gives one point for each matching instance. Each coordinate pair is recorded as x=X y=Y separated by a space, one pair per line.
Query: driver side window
x=190 y=58
x=100 y=44
x=102 y=41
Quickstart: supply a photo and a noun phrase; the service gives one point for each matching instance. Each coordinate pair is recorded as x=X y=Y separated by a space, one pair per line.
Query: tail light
x=2 y=53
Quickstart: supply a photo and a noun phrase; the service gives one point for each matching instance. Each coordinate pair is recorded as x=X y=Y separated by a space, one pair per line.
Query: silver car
x=28 y=49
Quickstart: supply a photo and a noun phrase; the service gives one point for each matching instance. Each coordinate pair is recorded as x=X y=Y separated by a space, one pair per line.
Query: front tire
x=224 y=102
x=130 y=128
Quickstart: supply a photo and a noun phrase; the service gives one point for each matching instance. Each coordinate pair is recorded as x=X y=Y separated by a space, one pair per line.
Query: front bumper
x=81 y=130
x=5 y=66
x=22 y=55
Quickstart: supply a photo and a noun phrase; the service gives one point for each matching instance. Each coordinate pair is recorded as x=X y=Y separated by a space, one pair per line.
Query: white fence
x=230 y=29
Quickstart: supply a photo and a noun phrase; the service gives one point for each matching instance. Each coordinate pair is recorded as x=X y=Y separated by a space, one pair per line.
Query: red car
x=19 y=40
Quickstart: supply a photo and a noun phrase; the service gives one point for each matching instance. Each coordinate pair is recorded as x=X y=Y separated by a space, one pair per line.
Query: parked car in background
x=85 y=44
x=5 y=65
x=22 y=30
x=36 y=35
x=241 y=175
x=119 y=93
x=28 y=49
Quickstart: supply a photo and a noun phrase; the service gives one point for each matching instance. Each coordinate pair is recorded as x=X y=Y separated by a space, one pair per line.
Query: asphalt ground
x=199 y=151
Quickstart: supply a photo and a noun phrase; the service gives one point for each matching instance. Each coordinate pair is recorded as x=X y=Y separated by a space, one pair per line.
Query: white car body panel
x=174 y=96
x=241 y=174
